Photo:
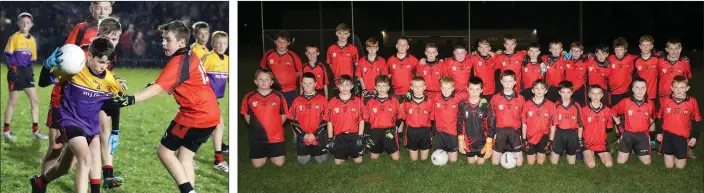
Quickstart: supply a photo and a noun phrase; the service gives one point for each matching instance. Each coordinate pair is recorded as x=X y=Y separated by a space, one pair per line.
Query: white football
x=74 y=59
x=508 y=160
x=439 y=157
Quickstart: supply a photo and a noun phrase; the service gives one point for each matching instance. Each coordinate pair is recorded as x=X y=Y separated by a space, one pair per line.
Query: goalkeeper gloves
x=122 y=100
x=487 y=148
x=368 y=141
x=390 y=133
x=331 y=143
x=581 y=145
x=525 y=145
x=360 y=142
x=113 y=141
x=53 y=60
x=548 y=146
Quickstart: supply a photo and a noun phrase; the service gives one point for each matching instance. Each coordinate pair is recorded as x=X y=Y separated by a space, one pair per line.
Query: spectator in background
x=126 y=40
x=139 y=45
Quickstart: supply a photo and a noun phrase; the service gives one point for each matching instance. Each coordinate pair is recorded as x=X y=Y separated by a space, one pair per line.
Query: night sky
x=603 y=21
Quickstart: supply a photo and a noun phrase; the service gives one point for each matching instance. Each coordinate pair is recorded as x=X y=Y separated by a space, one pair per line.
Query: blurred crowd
x=140 y=44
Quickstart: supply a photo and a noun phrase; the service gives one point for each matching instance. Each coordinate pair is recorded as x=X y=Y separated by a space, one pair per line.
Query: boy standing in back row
x=286 y=66
x=201 y=31
x=343 y=55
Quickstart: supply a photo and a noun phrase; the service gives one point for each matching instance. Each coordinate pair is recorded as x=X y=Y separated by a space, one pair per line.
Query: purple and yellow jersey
x=216 y=66
x=84 y=94
x=200 y=50
x=21 y=50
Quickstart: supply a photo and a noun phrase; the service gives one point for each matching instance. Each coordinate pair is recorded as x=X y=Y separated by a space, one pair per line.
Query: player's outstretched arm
x=148 y=93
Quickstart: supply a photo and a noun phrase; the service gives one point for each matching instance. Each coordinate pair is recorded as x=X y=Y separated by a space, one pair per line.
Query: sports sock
x=218 y=157
x=321 y=158
x=6 y=128
x=185 y=187
x=107 y=171
x=35 y=127
x=303 y=160
x=41 y=181
x=94 y=185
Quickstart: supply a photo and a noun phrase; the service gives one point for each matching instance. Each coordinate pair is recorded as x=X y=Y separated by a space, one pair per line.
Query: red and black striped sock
x=94 y=185
x=107 y=171
x=35 y=127
x=218 y=157
x=6 y=128
x=41 y=181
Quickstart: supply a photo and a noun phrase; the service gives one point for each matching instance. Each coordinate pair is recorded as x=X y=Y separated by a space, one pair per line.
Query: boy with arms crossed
x=475 y=124
x=537 y=122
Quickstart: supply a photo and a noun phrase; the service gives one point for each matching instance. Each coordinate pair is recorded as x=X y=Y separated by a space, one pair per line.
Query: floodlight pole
x=581 y=20
x=403 y=29
x=469 y=24
x=320 y=17
x=352 y=7
x=262 y=17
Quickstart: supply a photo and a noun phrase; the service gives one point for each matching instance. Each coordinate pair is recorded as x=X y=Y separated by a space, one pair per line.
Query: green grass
x=385 y=175
x=142 y=126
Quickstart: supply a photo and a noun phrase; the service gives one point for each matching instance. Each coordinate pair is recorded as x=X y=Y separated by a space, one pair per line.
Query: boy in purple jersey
x=215 y=64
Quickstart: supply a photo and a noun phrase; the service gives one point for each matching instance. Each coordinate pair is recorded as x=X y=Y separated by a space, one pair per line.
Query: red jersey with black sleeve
x=511 y=62
x=475 y=121
x=446 y=112
x=344 y=115
x=596 y=122
x=368 y=71
x=431 y=72
x=308 y=112
x=320 y=71
x=598 y=73
x=567 y=117
x=83 y=33
x=460 y=71
x=507 y=110
x=531 y=73
x=576 y=71
x=484 y=68
x=647 y=68
x=401 y=70
x=637 y=117
x=418 y=114
x=668 y=71
x=621 y=73
x=538 y=119
x=284 y=66
x=382 y=114
x=556 y=69
x=265 y=116
x=677 y=117
x=185 y=79
x=342 y=59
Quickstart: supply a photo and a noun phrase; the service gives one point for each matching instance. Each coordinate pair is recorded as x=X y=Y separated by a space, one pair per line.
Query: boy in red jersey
x=199 y=112
x=597 y=120
x=555 y=73
x=265 y=111
x=286 y=66
x=510 y=59
x=306 y=115
x=459 y=67
x=680 y=119
x=85 y=32
x=401 y=67
x=566 y=135
x=342 y=56
x=318 y=69
x=431 y=69
x=647 y=66
x=475 y=124
x=533 y=69
x=673 y=65
x=637 y=112
x=598 y=71
x=507 y=106
x=621 y=71
x=382 y=113
x=576 y=72
x=417 y=111
x=345 y=124
x=484 y=66
x=537 y=122
x=446 y=107
x=371 y=67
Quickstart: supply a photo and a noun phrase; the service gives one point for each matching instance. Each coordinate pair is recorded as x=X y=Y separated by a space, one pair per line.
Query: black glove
x=368 y=141
x=331 y=143
x=548 y=147
x=525 y=145
x=581 y=145
x=360 y=142
x=122 y=100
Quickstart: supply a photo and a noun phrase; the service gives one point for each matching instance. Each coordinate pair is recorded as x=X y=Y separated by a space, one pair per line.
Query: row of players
x=465 y=121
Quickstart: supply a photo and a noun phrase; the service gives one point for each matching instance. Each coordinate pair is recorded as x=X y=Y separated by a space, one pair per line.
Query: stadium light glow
x=535 y=31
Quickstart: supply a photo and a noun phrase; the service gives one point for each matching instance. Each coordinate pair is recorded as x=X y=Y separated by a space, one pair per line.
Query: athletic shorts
x=580 y=96
x=674 y=145
x=639 y=143
x=446 y=142
x=52 y=118
x=290 y=96
x=507 y=140
x=178 y=135
x=532 y=149
x=566 y=140
x=385 y=140
x=348 y=145
x=111 y=111
x=314 y=149
x=418 y=138
x=23 y=78
x=69 y=132
x=474 y=145
x=266 y=150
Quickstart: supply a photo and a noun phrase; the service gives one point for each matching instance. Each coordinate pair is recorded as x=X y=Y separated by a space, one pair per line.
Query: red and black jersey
x=567 y=117
x=382 y=114
x=320 y=71
x=621 y=73
x=401 y=70
x=83 y=33
x=638 y=118
x=507 y=110
x=576 y=71
x=668 y=71
x=512 y=62
x=596 y=122
x=556 y=69
x=344 y=116
x=677 y=117
x=308 y=112
x=446 y=112
x=538 y=119
x=598 y=73
x=431 y=72
x=647 y=68
x=342 y=59
x=531 y=73
x=418 y=114
x=369 y=70
x=460 y=71
x=476 y=121
x=284 y=66
x=265 y=116
x=484 y=68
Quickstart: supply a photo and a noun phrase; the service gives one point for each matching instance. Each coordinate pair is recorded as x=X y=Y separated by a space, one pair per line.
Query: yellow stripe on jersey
x=213 y=63
x=22 y=50
x=86 y=79
x=200 y=50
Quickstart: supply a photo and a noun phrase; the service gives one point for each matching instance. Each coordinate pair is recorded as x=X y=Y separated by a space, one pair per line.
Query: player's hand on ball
x=122 y=100
x=487 y=150
x=659 y=138
x=692 y=142
x=53 y=60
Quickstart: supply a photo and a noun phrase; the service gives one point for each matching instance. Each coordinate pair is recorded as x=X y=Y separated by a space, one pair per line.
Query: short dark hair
x=556 y=42
x=313 y=46
x=418 y=78
x=431 y=45
x=283 y=35
x=509 y=37
x=476 y=81
x=108 y=26
x=680 y=79
x=344 y=78
x=540 y=82
x=510 y=73
x=96 y=2
x=603 y=48
x=481 y=41
x=460 y=46
x=565 y=84
x=265 y=71
x=382 y=79
x=620 y=42
x=639 y=79
x=403 y=38
x=100 y=47
x=595 y=86
x=308 y=75
x=179 y=28
x=200 y=25
x=577 y=44
x=342 y=27
x=534 y=45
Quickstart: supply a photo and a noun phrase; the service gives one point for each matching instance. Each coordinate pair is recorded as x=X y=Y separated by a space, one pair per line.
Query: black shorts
x=382 y=142
x=507 y=140
x=23 y=78
x=178 y=135
x=527 y=93
x=474 y=145
x=553 y=94
x=348 y=145
x=532 y=149
x=580 y=95
x=314 y=149
x=266 y=150
x=616 y=98
x=566 y=140
x=290 y=96
x=69 y=132
x=418 y=138
x=674 y=145
x=110 y=110
x=639 y=143
x=446 y=142
x=52 y=118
